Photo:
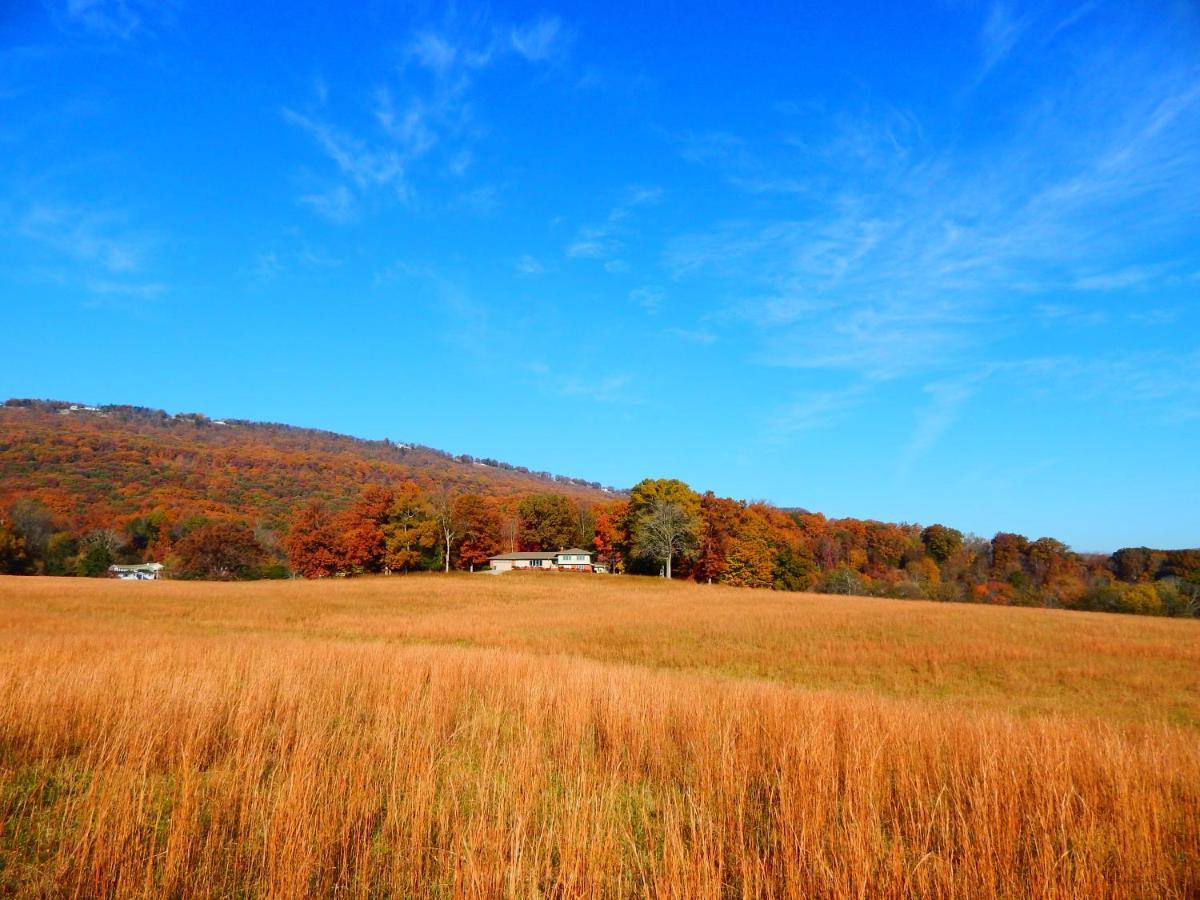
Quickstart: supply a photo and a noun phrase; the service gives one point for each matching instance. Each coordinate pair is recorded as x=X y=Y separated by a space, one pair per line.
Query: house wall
x=547 y=565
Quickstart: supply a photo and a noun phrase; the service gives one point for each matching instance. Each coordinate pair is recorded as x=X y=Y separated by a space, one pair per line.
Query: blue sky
x=919 y=263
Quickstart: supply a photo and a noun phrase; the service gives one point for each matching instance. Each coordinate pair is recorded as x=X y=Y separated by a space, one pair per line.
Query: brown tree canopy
x=219 y=551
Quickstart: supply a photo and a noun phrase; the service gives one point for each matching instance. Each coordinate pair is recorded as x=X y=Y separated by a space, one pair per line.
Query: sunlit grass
x=567 y=735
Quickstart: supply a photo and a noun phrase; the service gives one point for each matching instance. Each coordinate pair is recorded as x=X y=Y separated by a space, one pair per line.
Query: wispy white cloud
x=593 y=386
x=291 y=255
x=435 y=51
x=112 y=19
x=411 y=128
x=421 y=112
x=1121 y=279
x=404 y=268
x=1156 y=316
x=335 y=205
x=92 y=250
x=266 y=266
x=530 y=265
x=693 y=335
x=592 y=243
x=643 y=195
x=459 y=163
x=99 y=237
x=599 y=388
x=540 y=39
x=1001 y=31
x=926 y=251
x=482 y=201
x=946 y=399
x=717 y=148
x=605 y=241
x=1158 y=384
x=1072 y=17
x=1063 y=314
x=365 y=165
x=146 y=290
x=648 y=297
x=817 y=409
x=454 y=314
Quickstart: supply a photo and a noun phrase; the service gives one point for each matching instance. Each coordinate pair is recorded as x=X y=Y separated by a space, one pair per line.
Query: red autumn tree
x=719 y=519
x=1008 y=555
x=360 y=529
x=885 y=544
x=611 y=538
x=479 y=525
x=312 y=543
x=219 y=551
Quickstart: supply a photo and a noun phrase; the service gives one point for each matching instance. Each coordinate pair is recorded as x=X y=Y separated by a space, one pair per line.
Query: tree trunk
x=447 y=534
x=668 y=567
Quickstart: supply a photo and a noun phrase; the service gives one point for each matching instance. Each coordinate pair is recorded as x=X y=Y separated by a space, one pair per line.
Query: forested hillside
x=95 y=466
x=83 y=488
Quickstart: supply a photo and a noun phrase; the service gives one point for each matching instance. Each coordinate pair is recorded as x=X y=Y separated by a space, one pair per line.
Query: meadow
x=566 y=735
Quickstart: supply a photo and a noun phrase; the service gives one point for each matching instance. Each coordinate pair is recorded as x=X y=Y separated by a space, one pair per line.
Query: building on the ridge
x=139 y=572
x=572 y=560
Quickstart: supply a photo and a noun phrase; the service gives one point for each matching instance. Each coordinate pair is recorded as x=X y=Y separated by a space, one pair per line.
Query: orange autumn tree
x=611 y=536
x=410 y=534
x=719 y=520
x=361 y=528
x=761 y=532
x=479 y=524
x=311 y=543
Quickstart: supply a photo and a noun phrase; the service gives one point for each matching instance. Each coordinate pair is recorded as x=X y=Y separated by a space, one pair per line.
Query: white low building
x=572 y=560
x=139 y=572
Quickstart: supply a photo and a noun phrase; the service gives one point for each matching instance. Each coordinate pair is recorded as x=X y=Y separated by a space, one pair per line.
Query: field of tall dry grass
x=575 y=736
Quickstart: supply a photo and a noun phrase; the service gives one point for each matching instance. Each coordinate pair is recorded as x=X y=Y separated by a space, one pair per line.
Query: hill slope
x=93 y=465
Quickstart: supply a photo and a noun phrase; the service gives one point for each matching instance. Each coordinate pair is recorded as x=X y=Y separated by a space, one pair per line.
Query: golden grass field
x=565 y=736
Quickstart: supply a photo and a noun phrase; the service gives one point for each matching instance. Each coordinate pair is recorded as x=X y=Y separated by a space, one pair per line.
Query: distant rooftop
x=540 y=554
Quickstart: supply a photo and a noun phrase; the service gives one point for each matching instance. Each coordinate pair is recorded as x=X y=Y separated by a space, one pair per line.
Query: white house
x=140 y=572
x=572 y=560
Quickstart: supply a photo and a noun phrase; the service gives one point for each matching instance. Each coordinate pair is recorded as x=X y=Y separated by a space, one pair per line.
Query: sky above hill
x=917 y=262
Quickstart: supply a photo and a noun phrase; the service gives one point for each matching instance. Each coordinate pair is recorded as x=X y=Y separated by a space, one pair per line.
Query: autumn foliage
x=85 y=489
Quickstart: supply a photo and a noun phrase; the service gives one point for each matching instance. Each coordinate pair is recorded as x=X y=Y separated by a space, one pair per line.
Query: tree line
x=662 y=527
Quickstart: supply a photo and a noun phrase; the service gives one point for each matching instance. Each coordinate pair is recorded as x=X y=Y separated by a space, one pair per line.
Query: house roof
x=541 y=554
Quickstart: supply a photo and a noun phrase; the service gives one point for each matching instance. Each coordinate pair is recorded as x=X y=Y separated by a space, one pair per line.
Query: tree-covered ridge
x=95 y=466
x=81 y=490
